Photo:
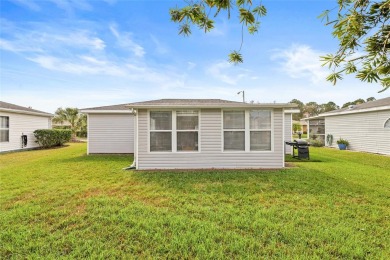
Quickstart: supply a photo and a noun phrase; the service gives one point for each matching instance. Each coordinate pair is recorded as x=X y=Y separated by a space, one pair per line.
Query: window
x=234 y=130
x=187 y=125
x=161 y=131
x=4 y=128
x=249 y=130
x=387 y=123
x=172 y=131
x=260 y=130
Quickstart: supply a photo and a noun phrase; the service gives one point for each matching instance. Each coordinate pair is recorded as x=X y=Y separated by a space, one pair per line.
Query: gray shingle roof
x=173 y=103
x=202 y=103
x=111 y=107
x=9 y=106
x=372 y=104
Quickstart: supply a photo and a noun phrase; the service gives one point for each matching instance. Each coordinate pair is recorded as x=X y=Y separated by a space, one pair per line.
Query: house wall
x=364 y=131
x=110 y=133
x=211 y=153
x=22 y=124
x=288 y=132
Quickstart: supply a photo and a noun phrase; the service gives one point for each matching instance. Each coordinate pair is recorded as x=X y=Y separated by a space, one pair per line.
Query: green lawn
x=296 y=136
x=61 y=203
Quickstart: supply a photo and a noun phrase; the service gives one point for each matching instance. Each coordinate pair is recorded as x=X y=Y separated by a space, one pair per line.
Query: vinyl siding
x=21 y=124
x=364 y=131
x=288 y=132
x=210 y=154
x=110 y=133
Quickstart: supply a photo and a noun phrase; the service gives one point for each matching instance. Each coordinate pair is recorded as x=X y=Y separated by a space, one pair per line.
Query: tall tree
x=356 y=102
x=362 y=28
x=330 y=106
x=301 y=107
x=312 y=109
x=201 y=13
x=370 y=99
x=76 y=120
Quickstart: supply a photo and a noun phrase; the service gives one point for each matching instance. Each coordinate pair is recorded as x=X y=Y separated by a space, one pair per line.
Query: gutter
x=25 y=112
x=106 y=111
x=176 y=106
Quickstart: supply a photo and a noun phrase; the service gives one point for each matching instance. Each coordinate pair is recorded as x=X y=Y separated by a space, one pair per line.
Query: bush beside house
x=52 y=137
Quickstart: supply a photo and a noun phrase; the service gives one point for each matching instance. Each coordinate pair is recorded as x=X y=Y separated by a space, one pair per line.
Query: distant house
x=17 y=125
x=366 y=126
x=110 y=129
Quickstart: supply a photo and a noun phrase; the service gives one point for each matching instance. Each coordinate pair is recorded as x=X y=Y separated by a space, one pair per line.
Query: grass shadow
x=290 y=158
x=99 y=158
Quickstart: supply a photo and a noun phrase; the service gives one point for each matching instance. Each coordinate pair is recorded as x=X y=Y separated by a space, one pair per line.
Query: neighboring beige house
x=110 y=129
x=17 y=125
x=366 y=126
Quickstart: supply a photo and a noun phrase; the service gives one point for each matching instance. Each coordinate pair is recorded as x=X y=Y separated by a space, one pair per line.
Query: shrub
x=316 y=143
x=61 y=127
x=52 y=137
x=342 y=141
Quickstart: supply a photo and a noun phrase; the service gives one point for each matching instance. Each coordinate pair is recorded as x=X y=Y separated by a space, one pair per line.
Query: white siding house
x=17 y=121
x=209 y=133
x=110 y=129
x=365 y=126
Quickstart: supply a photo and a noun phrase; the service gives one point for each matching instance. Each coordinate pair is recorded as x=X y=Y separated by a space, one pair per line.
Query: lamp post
x=243 y=95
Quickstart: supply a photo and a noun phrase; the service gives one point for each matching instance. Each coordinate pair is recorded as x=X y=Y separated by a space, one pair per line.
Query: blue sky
x=78 y=53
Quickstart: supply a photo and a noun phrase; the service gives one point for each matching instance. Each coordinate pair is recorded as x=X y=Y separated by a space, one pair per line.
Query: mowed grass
x=61 y=203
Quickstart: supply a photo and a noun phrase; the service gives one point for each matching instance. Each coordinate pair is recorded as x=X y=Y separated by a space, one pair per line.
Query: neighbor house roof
x=204 y=103
x=376 y=105
x=8 y=107
x=121 y=108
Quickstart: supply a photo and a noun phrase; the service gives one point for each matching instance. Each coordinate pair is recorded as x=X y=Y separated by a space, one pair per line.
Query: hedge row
x=52 y=137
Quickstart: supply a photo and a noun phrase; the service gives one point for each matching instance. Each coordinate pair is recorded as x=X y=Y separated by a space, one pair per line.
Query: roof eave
x=346 y=112
x=292 y=111
x=106 y=111
x=17 y=111
x=175 y=106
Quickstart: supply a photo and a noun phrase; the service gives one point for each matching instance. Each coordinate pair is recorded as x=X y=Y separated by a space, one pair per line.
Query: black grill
x=300 y=149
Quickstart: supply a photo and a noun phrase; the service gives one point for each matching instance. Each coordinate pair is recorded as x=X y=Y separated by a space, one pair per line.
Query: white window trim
x=174 y=131
x=247 y=131
x=1 y=128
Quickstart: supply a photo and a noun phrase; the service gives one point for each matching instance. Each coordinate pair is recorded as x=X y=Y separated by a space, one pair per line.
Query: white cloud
x=29 y=4
x=190 y=65
x=227 y=73
x=67 y=5
x=124 y=40
x=70 y=5
x=17 y=46
x=160 y=48
x=301 y=61
x=111 y=2
x=43 y=39
x=89 y=66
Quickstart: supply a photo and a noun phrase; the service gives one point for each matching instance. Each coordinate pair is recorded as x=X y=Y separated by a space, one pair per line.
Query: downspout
x=134 y=164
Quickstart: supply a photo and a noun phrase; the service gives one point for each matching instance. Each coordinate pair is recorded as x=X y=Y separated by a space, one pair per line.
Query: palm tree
x=76 y=120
